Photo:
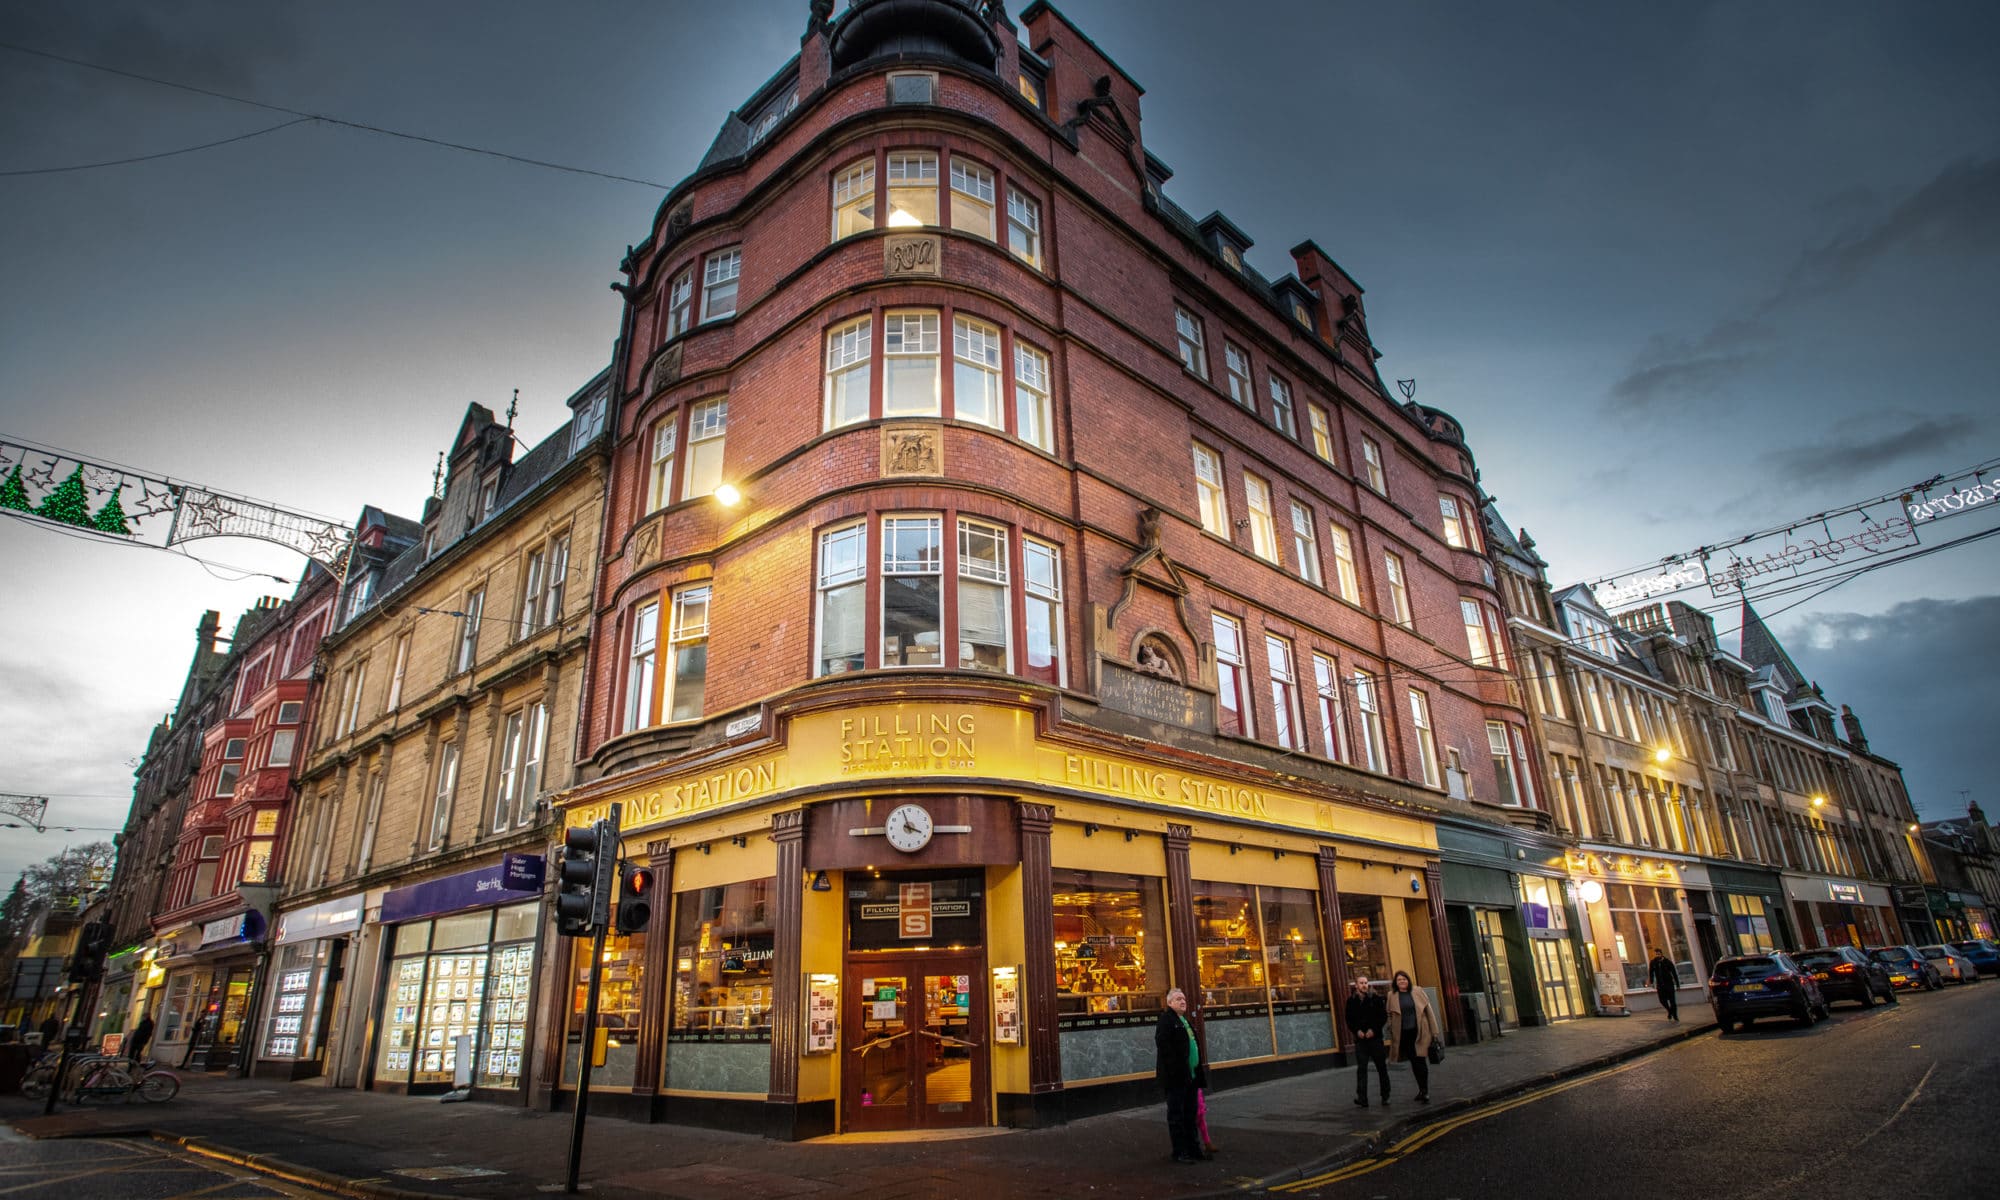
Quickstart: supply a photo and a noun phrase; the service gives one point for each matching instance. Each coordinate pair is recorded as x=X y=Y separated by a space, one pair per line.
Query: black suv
x=1844 y=973
x=1763 y=985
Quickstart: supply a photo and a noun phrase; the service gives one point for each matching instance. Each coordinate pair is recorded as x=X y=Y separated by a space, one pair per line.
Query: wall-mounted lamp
x=1590 y=891
x=1913 y=829
x=1132 y=833
x=1089 y=830
x=1416 y=885
x=1277 y=854
x=728 y=496
x=1234 y=849
x=1819 y=801
x=739 y=841
x=705 y=848
x=820 y=882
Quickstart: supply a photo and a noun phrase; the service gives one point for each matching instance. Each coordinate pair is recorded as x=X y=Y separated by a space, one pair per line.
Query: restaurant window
x=1213 y=502
x=1294 y=961
x=849 y=349
x=1111 y=944
x=724 y=941
x=1364 y=943
x=708 y=422
x=983 y=605
x=1263 y=524
x=975 y=394
x=913 y=190
x=843 y=576
x=1229 y=949
x=687 y=654
x=640 y=659
x=1420 y=727
x=1042 y=573
x=1232 y=695
x=1032 y=421
x=971 y=198
x=1288 y=725
x=1644 y=920
x=912 y=595
x=1024 y=227
x=615 y=1042
x=910 y=364
x=854 y=199
x=718 y=283
x=1332 y=715
x=1374 y=748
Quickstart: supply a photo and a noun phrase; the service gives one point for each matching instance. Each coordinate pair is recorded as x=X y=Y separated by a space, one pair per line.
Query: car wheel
x=1825 y=1013
x=1868 y=995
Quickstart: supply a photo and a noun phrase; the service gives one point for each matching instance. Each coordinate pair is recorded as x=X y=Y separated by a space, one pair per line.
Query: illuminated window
x=708 y=421
x=725 y=939
x=849 y=349
x=1110 y=943
x=913 y=190
x=1232 y=695
x=1454 y=525
x=1322 y=431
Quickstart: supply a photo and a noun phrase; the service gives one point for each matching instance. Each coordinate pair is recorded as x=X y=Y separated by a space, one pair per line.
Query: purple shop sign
x=515 y=877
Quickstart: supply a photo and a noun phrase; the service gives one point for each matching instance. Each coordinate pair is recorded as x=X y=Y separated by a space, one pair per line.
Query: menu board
x=1006 y=1006
x=822 y=1010
x=510 y=980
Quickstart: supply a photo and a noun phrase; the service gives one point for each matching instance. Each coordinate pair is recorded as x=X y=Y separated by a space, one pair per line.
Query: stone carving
x=911 y=450
x=677 y=223
x=911 y=254
x=1154 y=659
x=666 y=368
x=646 y=544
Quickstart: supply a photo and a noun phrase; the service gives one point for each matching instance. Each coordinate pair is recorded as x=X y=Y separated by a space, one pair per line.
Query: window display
x=294 y=1016
x=722 y=963
x=619 y=998
x=1364 y=949
x=1292 y=955
x=467 y=976
x=1643 y=920
x=1229 y=949
x=1110 y=944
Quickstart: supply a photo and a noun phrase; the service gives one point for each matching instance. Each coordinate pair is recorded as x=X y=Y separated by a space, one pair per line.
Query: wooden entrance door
x=914 y=1042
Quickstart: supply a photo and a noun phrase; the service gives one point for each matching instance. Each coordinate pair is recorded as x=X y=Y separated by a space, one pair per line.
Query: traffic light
x=583 y=882
x=93 y=942
x=635 y=898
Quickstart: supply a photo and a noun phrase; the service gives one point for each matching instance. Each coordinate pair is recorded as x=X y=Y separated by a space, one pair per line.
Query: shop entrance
x=914 y=1054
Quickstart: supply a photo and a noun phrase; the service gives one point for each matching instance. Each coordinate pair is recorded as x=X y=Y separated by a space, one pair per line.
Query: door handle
x=865 y=1047
x=949 y=1040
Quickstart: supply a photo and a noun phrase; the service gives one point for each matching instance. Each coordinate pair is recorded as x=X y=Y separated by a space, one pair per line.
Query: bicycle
x=122 y=1077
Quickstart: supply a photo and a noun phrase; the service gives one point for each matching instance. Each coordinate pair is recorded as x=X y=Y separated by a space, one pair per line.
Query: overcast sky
x=1683 y=271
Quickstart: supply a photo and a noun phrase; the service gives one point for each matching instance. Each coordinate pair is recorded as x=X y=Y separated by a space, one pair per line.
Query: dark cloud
x=215 y=45
x=1916 y=652
x=1671 y=368
x=1866 y=442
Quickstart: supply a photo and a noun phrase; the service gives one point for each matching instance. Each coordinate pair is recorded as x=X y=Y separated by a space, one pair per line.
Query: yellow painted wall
x=1253 y=865
x=822 y=951
x=1107 y=850
x=725 y=862
x=1006 y=946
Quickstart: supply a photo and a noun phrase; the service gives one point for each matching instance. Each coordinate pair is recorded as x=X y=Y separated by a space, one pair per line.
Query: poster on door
x=913 y=910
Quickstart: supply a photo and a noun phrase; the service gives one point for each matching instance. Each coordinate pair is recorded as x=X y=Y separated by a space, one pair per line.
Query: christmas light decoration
x=67 y=503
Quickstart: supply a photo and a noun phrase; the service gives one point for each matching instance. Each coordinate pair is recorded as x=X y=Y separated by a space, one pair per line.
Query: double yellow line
x=1430 y=1133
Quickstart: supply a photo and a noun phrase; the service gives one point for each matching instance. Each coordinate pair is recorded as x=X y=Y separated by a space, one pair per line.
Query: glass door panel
x=948 y=1052
x=881 y=1085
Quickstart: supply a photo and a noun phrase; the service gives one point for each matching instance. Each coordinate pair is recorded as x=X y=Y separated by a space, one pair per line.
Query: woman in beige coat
x=1412 y=1027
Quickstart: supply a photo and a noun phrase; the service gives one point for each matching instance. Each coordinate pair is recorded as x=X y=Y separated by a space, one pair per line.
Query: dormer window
x=1231 y=257
x=1300 y=313
x=489 y=492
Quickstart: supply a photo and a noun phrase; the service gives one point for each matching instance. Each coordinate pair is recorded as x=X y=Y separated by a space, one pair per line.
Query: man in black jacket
x=1366 y=1015
x=1666 y=981
x=1181 y=1073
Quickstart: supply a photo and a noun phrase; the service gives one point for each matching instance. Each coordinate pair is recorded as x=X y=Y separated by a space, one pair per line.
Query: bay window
x=660 y=473
x=982 y=597
x=971 y=198
x=1024 y=228
x=854 y=199
x=708 y=422
x=680 y=304
x=843 y=576
x=1033 y=423
x=718 y=283
x=849 y=349
x=1480 y=647
x=975 y=372
x=1455 y=532
x=913 y=189
x=910 y=364
x=912 y=592
x=687 y=654
x=1042 y=576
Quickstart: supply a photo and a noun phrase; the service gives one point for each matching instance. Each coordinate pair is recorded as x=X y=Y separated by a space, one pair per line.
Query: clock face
x=909 y=828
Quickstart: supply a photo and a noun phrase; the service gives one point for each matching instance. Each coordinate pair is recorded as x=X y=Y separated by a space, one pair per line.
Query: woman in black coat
x=1181 y=1073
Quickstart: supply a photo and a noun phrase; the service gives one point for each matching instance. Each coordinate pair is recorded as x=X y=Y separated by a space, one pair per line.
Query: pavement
x=368 y=1144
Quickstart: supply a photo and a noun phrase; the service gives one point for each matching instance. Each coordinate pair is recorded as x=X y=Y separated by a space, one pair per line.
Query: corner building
x=1012 y=606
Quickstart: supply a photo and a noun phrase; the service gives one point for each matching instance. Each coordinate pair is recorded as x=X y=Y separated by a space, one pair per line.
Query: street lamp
x=1819 y=801
x=1663 y=756
x=728 y=496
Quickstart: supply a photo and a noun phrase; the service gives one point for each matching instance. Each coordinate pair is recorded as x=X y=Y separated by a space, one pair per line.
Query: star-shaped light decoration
x=154 y=502
x=204 y=516
x=46 y=473
x=102 y=479
x=328 y=546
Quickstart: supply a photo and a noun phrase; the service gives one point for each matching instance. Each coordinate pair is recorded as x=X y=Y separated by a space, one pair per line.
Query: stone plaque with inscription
x=1154 y=698
x=911 y=254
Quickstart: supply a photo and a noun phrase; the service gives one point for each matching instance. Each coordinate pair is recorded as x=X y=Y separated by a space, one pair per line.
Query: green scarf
x=1194 y=1047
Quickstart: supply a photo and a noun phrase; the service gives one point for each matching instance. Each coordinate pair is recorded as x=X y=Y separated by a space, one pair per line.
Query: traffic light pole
x=607 y=843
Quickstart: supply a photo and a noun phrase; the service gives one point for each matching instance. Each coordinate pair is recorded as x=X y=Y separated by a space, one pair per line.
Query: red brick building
x=1013 y=605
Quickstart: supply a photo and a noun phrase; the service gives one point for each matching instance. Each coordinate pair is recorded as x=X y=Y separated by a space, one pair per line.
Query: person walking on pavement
x=1666 y=981
x=1366 y=1014
x=1412 y=1029
x=51 y=1030
x=142 y=1036
x=1181 y=1074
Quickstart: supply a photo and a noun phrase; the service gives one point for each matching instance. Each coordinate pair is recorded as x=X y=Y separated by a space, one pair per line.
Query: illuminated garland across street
x=125 y=505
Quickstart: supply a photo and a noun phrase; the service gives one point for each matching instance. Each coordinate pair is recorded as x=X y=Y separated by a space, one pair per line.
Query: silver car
x=1952 y=966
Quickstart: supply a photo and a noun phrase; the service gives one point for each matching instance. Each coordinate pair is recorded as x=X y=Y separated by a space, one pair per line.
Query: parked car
x=1908 y=968
x=1844 y=973
x=1952 y=966
x=1983 y=953
x=1763 y=985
